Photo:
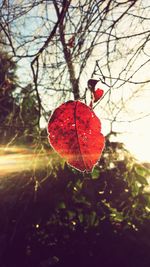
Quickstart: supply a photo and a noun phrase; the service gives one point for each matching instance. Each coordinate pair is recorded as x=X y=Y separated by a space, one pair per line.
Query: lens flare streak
x=17 y=159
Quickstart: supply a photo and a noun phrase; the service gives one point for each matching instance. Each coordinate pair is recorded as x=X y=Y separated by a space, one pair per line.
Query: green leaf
x=135 y=189
x=61 y=205
x=81 y=217
x=117 y=216
x=95 y=173
x=141 y=179
x=92 y=217
x=71 y=214
x=141 y=170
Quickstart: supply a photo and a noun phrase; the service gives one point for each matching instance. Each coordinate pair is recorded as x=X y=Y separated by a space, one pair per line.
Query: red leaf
x=74 y=132
x=98 y=94
x=71 y=42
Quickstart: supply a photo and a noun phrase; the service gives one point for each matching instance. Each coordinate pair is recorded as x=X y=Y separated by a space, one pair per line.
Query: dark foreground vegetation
x=61 y=217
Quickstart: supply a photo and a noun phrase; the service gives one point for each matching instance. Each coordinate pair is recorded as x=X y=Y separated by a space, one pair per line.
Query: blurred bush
x=59 y=216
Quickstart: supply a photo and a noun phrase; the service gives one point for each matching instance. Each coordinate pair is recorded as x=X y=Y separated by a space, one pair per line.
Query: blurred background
x=51 y=214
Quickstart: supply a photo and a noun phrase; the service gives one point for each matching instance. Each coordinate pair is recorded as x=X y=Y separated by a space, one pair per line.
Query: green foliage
x=19 y=111
x=7 y=86
x=116 y=192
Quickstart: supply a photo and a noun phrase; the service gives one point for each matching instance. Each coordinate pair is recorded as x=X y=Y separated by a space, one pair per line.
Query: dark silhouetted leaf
x=75 y=133
x=91 y=84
